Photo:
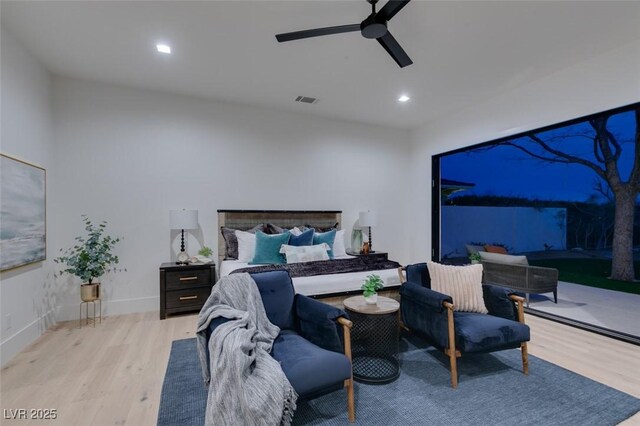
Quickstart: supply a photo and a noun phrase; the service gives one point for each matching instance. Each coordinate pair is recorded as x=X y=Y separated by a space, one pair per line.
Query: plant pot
x=371 y=300
x=90 y=292
x=475 y=262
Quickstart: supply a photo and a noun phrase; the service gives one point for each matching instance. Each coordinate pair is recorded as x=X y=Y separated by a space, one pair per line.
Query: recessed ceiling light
x=164 y=48
x=403 y=98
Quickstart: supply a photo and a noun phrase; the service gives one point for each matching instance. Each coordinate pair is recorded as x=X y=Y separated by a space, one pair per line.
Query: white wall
x=603 y=82
x=128 y=156
x=26 y=293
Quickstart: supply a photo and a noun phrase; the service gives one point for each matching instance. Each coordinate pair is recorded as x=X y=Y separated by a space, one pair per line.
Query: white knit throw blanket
x=246 y=385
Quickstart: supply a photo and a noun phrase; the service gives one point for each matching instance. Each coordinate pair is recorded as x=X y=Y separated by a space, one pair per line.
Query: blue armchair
x=432 y=315
x=314 y=344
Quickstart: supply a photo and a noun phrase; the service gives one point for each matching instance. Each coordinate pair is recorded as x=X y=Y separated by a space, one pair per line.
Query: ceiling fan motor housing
x=370 y=28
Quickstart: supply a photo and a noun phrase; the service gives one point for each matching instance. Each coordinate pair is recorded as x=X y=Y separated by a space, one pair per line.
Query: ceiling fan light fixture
x=404 y=98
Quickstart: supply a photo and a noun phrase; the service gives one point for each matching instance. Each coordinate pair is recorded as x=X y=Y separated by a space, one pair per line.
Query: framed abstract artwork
x=23 y=212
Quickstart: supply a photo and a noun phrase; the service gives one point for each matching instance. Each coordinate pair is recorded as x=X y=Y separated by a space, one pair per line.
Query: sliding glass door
x=562 y=197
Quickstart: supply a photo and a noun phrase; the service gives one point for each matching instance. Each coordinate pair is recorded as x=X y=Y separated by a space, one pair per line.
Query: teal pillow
x=268 y=248
x=325 y=237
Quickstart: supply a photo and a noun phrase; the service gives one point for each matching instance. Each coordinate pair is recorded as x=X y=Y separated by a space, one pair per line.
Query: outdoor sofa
x=514 y=272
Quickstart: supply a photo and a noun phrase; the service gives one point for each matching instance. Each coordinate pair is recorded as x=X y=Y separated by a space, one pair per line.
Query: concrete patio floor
x=614 y=310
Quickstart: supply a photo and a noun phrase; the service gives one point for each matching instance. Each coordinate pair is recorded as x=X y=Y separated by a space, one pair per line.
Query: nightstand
x=377 y=254
x=185 y=288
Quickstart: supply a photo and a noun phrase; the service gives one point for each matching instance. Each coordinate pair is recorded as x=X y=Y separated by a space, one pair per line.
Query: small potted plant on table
x=371 y=285
x=90 y=258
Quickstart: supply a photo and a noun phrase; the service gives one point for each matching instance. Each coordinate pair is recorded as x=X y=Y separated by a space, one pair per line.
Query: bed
x=330 y=284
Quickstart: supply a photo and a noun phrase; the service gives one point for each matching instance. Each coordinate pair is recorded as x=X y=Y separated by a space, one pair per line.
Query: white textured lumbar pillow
x=298 y=254
x=462 y=283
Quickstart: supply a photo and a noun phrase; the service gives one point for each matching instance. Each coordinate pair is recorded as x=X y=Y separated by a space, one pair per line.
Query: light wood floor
x=112 y=374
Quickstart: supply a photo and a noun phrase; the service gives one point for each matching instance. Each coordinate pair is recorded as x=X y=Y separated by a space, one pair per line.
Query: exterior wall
x=520 y=229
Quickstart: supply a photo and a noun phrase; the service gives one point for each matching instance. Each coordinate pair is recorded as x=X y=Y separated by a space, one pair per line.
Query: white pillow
x=462 y=283
x=297 y=254
x=339 y=249
x=295 y=231
x=506 y=259
x=246 y=246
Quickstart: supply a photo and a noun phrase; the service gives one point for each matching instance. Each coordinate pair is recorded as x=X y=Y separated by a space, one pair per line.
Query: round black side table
x=374 y=339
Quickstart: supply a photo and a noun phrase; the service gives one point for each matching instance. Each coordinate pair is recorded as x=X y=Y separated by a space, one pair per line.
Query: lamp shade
x=367 y=218
x=183 y=219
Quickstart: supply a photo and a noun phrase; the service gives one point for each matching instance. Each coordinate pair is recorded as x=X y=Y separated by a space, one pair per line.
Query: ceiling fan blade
x=390 y=9
x=297 y=35
x=394 y=49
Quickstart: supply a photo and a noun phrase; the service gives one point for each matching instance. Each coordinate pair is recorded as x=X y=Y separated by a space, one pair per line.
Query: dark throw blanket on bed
x=327 y=267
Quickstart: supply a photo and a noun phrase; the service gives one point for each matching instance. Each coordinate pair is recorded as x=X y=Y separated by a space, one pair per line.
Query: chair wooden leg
x=525 y=358
x=523 y=346
x=454 y=369
x=451 y=350
x=351 y=404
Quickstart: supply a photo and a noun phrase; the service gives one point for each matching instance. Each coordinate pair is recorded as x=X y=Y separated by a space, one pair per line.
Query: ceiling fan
x=374 y=26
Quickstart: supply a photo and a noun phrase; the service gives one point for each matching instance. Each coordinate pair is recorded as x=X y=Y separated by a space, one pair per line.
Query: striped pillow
x=462 y=283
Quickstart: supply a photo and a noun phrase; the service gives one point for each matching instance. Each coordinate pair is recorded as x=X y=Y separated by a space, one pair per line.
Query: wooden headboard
x=247 y=219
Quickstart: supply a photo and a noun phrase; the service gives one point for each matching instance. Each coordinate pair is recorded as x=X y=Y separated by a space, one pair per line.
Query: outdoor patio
x=609 y=309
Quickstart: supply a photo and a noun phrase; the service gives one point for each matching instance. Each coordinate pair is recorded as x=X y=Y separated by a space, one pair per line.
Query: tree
x=606 y=153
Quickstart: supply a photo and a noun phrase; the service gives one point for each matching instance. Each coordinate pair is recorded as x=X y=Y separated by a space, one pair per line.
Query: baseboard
x=614 y=334
x=25 y=336
x=112 y=307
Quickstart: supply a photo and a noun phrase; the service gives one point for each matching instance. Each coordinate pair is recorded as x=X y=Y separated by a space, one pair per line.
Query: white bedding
x=323 y=284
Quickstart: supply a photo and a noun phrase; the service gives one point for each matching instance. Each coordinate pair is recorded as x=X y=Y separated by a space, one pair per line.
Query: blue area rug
x=492 y=390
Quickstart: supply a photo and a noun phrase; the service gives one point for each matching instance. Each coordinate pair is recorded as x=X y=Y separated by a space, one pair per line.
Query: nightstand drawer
x=189 y=297
x=185 y=279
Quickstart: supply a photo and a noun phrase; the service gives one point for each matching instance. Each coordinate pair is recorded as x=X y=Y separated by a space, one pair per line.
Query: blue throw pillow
x=268 y=248
x=304 y=239
x=325 y=237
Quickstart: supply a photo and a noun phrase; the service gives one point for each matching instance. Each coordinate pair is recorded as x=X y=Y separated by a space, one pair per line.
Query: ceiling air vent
x=306 y=100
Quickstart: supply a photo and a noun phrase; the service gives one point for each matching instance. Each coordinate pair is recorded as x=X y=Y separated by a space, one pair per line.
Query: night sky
x=507 y=171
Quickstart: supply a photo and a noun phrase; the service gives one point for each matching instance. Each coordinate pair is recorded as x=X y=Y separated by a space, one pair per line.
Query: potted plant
x=475 y=258
x=205 y=251
x=90 y=258
x=371 y=285
x=203 y=256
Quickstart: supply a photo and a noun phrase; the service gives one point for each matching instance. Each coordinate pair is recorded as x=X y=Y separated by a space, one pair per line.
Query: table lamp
x=183 y=219
x=368 y=219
